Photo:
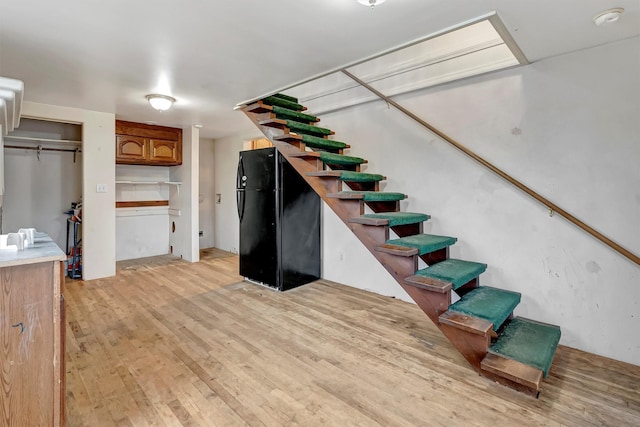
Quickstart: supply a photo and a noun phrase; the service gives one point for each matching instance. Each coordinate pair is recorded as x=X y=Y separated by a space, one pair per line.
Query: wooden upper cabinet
x=164 y=151
x=142 y=144
x=130 y=149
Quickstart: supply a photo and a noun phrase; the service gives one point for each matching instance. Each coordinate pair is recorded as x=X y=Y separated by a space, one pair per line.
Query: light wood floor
x=166 y=342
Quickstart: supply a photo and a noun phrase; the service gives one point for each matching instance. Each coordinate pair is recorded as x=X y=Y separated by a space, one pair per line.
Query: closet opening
x=43 y=184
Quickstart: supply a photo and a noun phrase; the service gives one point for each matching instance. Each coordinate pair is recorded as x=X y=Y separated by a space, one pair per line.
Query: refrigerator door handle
x=240 y=177
x=240 y=203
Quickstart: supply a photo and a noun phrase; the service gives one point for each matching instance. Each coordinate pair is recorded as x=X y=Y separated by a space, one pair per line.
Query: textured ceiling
x=107 y=55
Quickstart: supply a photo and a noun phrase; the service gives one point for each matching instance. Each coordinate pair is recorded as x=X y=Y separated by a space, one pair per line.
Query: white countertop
x=43 y=249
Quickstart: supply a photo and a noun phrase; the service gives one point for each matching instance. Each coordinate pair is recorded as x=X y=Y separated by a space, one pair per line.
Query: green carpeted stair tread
x=369 y=196
x=286 y=114
x=399 y=218
x=456 y=271
x=306 y=129
x=529 y=342
x=491 y=304
x=286 y=97
x=425 y=243
x=351 y=176
x=280 y=102
x=323 y=143
x=339 y=159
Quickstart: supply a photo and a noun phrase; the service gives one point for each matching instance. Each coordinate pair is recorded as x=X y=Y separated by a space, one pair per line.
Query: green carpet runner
x=308 y=129
x=372 y=196
x=399 y=218
x=456 y=271
x=351 y=176
x=286 y=97
x=425 y=243
x=339 y=159
x=284 y=103
x=323 y=143
x=318 y=143
x=286 y=114
x=529 y=342
x=491 y=304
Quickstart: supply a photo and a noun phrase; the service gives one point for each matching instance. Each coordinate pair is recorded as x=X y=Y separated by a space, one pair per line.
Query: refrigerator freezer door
x=257 y=167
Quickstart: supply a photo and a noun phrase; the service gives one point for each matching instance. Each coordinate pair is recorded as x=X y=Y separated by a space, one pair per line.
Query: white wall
x=567 y=127
x=185 y=238
x=207 y=193
x=98 y=167
x=226 y=154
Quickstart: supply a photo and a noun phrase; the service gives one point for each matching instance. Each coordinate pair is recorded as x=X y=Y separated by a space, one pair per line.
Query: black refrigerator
x=279 y=221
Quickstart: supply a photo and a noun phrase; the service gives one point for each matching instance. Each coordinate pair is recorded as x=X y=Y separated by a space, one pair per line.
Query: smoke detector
x=608 y=16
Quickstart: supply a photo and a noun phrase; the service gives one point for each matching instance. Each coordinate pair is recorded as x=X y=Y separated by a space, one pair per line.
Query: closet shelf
x=33 y=139
x=146 y=211
x=149 y=182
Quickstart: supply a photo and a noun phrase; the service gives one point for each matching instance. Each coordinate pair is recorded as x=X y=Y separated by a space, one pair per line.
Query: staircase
x=513 y=351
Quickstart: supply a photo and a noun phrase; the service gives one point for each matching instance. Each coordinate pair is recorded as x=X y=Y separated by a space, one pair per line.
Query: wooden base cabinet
x=32 y=344
x=142 y=144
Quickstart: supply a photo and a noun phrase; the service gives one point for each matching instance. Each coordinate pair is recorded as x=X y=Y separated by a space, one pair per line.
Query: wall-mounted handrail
x=550 y=205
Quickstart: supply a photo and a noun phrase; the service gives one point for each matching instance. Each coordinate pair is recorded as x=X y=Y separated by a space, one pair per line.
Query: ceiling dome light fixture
x=371 y=3
x=160 y=102
x=608 y=16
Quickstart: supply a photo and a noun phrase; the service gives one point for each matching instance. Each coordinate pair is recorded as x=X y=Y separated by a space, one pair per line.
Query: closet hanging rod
x=29 y=138
x=77 y=150
x=40 y=149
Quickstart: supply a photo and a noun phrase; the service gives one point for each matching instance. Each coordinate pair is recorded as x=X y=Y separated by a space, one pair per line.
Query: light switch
x=101 y=188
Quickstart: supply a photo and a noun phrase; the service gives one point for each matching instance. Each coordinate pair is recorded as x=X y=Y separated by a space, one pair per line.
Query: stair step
x=425 y=243
x=331 y=159
x=287 y=114
x=286 y=97
x=491 y=304
x=284 y=103
x=471 y=324
x=391 y=219
x=339 y=159
x=513 y=370
x=259 y=107
x=313 y=141
x=368 y=196
x=529 y=342
x=349 y=176
x=428 y=283
x=456 y=271
x=306 y=129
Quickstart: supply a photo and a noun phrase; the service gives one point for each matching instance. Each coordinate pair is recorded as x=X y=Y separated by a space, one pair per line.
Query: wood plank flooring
x=170 y=343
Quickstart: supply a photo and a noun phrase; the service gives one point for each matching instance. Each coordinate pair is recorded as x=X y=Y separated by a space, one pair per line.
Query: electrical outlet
x=101 y=188
x=201 y=233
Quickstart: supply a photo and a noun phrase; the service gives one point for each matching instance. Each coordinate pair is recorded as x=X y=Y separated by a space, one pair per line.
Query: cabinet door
x=165 y=152
x=27 y=345
x=131 y=149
